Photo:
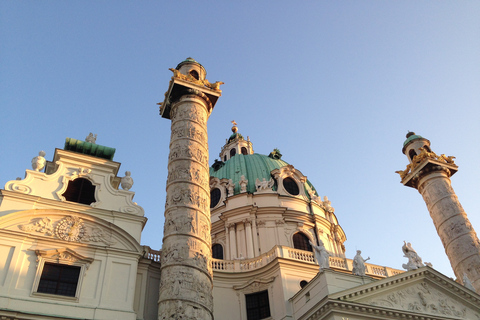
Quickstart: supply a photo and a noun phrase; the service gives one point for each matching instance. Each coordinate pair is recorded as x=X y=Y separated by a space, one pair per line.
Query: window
x=59 y=279
x=412 y=154
x=258 y=306
x=80 y=190
x=233 y=152
x=194 y=74
x=300 y=241
x=244 y=151
x=291 y=186
x=215 y=195
x=217 y=251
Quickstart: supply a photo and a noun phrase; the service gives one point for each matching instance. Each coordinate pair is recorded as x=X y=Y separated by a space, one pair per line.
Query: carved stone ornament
x=63 y=255
x=69 y=228
x=38 y=163
x=230 y=187
x=264 y=184
x=243 y=184
x=255 y=285
x=423 y=298
x=127 y=181
x=92 y=138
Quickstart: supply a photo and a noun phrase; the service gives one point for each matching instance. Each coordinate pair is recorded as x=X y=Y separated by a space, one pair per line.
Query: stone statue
x=264 y=184
x=230 y=187
x=91 y=138
x=327 y=204
x=414 y=260
x=243 y=184
x=359 y=264
x=38 y=163
x=467 y=283
x=321 y=255
x=127 y=181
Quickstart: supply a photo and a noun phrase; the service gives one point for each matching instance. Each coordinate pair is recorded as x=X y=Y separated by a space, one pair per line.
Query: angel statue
x=414 y=260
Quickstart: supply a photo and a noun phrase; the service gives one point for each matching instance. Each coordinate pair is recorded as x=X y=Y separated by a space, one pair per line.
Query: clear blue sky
x=335 y=85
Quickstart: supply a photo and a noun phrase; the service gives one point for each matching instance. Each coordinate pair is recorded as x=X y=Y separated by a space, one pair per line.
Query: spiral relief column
x=430 y=175
x=186 y=274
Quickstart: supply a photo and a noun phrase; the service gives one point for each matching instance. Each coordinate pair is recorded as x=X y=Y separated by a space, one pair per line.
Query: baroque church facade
x=245 y=238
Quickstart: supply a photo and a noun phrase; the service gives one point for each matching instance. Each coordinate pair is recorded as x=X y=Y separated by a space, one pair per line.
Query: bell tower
x=186 y=274
x=430 y=175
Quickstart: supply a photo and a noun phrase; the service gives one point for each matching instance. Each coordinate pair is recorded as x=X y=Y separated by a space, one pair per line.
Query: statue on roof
x=359 y=264
x=275 y=154
x=230 y=187
x=414 y=260
x=38 y=163
x=91 y=138
x=264 y=184
x=243 y=184
x=321 y=255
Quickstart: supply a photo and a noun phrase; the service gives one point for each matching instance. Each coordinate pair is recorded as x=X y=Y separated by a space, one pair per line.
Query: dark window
x=59 y=279
x=80 y=190
x=291 y=186
x=244 y=151
x=233 y=152
x=194 y=74
x=300 y=241
x=257 y=305
x=215 y=195
x=412 y=154
x=217 y=251
x=303 y=283
x=224 y=158
x=427 y=149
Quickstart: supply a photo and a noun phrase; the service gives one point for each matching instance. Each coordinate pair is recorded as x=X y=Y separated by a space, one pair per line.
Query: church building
x=246 y=237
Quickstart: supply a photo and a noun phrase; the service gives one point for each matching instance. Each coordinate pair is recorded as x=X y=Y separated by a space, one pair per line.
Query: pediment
x=68 y=227
x=423 y=291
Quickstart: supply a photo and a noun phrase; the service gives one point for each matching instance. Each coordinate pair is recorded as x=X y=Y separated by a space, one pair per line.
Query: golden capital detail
x=424 y=156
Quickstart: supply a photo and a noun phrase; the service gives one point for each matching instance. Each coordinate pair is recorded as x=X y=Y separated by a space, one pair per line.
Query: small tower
x=430 y=175
x=236 y=144
x=186 y=274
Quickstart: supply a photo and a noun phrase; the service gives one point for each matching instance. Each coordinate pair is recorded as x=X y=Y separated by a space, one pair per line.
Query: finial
x=234 y=128
x=409 y=134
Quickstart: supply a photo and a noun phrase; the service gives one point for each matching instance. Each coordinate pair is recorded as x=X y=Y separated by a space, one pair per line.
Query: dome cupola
x=235 y=144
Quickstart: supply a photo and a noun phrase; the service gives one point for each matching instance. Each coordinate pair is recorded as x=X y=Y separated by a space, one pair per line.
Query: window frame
x=258 y=294
x=62 y=256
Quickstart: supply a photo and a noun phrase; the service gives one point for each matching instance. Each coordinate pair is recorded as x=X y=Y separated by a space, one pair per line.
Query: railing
x=151 y=254
x=244 y=265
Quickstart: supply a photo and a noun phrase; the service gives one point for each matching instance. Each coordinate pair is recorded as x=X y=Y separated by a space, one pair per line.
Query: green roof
x=89 y=148
x=252 y=166
x=412 y=137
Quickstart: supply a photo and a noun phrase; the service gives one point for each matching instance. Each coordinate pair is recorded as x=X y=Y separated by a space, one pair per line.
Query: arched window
x=244 y=151
x=194 y=74
x=300 y=241
x=215 y=195
x=291 y=186
x=81 y=191
x=217 y=251
x=412 y=154
x=233 y=152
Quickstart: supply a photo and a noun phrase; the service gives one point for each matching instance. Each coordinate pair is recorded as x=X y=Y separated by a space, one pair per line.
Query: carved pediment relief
x=255 y=285
x=424 y=292
x=63 y=255
x=66 y=226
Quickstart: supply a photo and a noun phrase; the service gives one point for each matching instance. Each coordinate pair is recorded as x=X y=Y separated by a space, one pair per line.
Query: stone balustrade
x=244 y=265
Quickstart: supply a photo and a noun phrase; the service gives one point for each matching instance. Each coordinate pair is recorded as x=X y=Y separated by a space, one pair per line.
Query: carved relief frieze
x=424 y=299
x=189 y=131
x=188 y=151
x=186 y=197
x=191 y=113
x=187 y=173
x=180 y=223
x=68 y=228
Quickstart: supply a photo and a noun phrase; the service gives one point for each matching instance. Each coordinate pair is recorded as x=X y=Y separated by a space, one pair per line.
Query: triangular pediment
x=423 y=291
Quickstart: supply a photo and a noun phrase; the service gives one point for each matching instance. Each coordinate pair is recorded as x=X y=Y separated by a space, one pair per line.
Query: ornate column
x=249 y=238
x=186 y=275
x=430 y=175
x=233 y=241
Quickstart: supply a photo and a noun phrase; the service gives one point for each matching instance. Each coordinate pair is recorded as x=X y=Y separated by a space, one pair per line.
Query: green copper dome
x=252 y=166
x=411 y=137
